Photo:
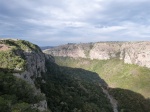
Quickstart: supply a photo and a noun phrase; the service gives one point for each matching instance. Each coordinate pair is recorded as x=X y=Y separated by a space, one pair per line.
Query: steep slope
x=130 y=52
x=116 y=73
x=21 y=64
x=75 y=90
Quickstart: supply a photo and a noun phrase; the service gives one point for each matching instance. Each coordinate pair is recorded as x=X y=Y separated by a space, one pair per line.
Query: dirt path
x=112 y=100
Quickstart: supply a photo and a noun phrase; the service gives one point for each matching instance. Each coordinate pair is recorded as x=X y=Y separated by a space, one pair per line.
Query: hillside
x=31 y=81
x=120 y=64
x=130 y=52
x=116 y=73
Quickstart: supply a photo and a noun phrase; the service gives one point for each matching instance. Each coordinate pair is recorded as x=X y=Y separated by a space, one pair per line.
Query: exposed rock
x=104 y=51
x=130 y=52
x=35 y=66
x=72 y=50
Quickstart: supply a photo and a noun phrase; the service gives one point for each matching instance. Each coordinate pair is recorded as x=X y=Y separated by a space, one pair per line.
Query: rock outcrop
x=35 y=68
x=130 y=52
x=34 y=65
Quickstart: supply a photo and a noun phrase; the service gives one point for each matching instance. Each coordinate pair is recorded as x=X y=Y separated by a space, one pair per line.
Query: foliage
x=13 y=58
x=10 y=61
x=118 y=74
x=115 y=72
x=21 y=44
x=129 y=101
x=74 y=90
x=16 y=95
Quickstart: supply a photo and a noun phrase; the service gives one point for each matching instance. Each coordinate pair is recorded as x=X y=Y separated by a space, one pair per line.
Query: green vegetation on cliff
x=129 y=101
x=20 y=44
x=11 y=54
x=10 y=61
x=15 y=94
x=74 y=90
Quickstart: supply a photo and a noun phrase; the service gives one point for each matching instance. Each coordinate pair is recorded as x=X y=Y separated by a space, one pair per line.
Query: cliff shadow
x=129 y=101
x=82 y=89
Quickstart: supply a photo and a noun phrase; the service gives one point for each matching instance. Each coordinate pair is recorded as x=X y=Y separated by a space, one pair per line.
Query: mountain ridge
x=130 y=52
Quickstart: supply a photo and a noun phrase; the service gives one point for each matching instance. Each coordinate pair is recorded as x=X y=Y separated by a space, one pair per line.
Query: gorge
x=74 y=77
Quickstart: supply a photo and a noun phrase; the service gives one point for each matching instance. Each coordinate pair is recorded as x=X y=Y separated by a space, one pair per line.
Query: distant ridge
x=46 y=47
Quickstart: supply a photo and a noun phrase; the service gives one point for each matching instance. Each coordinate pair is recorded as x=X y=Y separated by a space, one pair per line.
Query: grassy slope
x=13 y=59
x=114 y=72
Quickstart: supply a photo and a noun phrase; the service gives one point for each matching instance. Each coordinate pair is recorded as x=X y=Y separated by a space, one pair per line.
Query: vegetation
x=132 y=78
x=74 y=90
x=114 y=72
x=21 y=45
x=16 y=95
x=12 y=62
x=13 y=59
x=129 y=101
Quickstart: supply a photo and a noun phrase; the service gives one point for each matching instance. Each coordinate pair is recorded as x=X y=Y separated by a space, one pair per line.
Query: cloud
x=51 y=22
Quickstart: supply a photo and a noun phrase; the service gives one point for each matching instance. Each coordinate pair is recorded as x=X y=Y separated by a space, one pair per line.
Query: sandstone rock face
x=130 y=52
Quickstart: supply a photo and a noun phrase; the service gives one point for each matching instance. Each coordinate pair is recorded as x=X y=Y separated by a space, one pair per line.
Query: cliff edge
x=130 y=52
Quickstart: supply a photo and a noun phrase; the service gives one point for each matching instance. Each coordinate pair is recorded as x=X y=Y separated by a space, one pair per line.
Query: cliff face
x=130 y=52
x=35 y=68
x=25 y=61
x=136 y=53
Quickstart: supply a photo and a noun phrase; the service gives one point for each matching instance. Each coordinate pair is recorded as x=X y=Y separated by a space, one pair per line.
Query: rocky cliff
x=130 y=52
x=25 y=61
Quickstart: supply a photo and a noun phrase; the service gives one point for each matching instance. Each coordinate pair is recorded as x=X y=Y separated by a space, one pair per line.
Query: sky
x=56 y=22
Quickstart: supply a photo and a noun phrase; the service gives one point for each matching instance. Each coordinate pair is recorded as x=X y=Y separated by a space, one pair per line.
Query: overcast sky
x=55 y=22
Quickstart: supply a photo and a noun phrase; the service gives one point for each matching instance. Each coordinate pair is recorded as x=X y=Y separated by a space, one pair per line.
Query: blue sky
x=55 y=22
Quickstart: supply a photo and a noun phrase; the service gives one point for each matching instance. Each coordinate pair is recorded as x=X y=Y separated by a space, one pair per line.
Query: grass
x=21 y=44
x=13 y=58
x=9 y=60
x=114 y=72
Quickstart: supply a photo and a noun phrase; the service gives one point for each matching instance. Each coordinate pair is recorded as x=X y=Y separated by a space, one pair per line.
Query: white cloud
x=61 y=21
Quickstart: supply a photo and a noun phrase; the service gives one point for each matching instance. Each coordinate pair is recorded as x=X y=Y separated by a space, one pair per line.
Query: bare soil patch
x=4 y=47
